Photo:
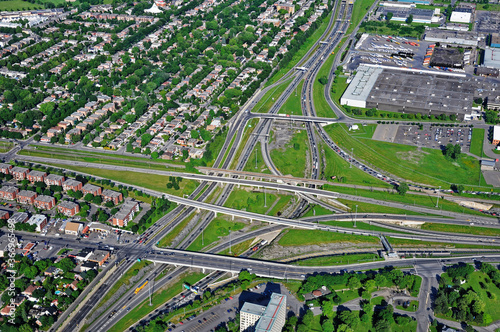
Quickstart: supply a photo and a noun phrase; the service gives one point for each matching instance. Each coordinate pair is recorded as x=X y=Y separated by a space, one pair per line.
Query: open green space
x=218 y=227
x=146 y=180
x=373 y=208
x=296 y=237
x=252 y=201
x=320 y=104
x=489 y=7
x=360 y=225
x=277 y=210
x=255 y=162
x=339 y=260
x=301 y=52
x=476 y=143
x=397 y=242
x=419 y=165
x=15 y=5
x=63 y=251
x=249 y=127
x=167 y=240
x=270 y=97
x=364 y=131
x=5 y=146
x=339 y=85
x=359 y=10
x=124 y=279
x=412 y=307
x=462 y=229
x=338 y=169
x=292 y=158
x=292 y=104
x=158 y=299
x=428 y=201
x=238 y=248
x=317 y=210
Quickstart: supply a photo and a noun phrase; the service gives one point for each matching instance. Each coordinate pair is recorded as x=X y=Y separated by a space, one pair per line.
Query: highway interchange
x=126 y=255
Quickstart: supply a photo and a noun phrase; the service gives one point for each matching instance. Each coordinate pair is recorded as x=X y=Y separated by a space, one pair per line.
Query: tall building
x=257 y=318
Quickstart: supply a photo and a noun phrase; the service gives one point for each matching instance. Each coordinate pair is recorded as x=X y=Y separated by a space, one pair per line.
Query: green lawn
x=292 y=159
x=412 y=307
x=339 y=169
x=397 y=242
x=492 y=305
x=167 y=240
x=158 y=299
x=462 y=229
x=218 y=227
x=280 y=206
x=359 y=10
x=364 y=131
x=338 y=87
x=292 y=104
x=249 y=127
x=320 y=104
x=373 y=208
x=252 y=201
x=339 y=260
x=63 y=251
x=360 y=225
x=420 y=165
x=489 y=7
x=251 y=164
x=476 y=143
x=150 y=181
x=5 y=146
x=238 y=248
x=428 y=201
x=270 y=97
x=125 y=279
x=15 y=5
x=301 y=52
x=298 y=237
x=317 y=210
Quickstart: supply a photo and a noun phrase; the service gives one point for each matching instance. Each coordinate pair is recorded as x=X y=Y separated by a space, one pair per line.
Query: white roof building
x=39 y=220
x=460 y=17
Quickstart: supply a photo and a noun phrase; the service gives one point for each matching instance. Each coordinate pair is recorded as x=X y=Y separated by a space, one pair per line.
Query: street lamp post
x=437 y=202
x=230 y=241
x=355 y=216
x=352 y=157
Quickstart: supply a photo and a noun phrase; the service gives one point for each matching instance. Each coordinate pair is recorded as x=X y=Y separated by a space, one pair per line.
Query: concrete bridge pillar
x=232 y=217
x=215 y=214
x=238 y=186
x=197 y=210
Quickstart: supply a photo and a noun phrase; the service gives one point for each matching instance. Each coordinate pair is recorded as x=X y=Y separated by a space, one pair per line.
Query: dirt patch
x=385 y=132
x=413 y=156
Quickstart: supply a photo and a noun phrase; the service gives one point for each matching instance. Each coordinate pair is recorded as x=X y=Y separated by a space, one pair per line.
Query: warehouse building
x=410 y=91
x=495 y=40
x=401 y=14
x=491 y=58
x=496 y=135
x=270 y=318
x=468 y=38
x=447 y=57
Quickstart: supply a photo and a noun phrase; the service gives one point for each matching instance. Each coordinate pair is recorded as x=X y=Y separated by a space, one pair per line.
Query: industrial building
x=467 y=38
x=459 y=16
x=447 y=57
x=495 y=40
x=410 y=91
x=496 y=135
x=401 y=14
x=492 y=58
x=270 y=318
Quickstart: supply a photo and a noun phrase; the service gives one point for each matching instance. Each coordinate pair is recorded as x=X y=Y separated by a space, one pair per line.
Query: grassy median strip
x=477 y=140
x=292 y=105
x=339 y=260
x=238 y=249
x=250 y=200
x=270 y=97
x=299 y=237
x=361 y=225
x=405 y=243
x=167 y=240
x=462 y=229
x=219 y=227
x=158 y=299
x=320 y=104
x=409 y=162
x=374 y=208
x=256 y=163
x=292 y=158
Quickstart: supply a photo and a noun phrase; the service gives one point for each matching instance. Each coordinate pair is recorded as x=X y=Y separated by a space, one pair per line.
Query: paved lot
x=487 y=21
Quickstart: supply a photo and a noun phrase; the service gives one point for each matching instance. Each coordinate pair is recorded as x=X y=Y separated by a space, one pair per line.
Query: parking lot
x=434 y=137
x=487 y=21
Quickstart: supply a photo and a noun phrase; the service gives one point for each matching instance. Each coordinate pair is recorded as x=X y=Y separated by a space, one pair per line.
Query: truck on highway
x=138 y=289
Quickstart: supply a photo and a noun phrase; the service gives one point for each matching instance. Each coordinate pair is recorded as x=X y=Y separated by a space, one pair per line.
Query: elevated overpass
x=302 y=118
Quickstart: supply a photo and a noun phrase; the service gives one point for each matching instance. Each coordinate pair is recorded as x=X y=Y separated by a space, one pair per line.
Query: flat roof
x=492 y=57
x=362 y=83
x=254 y=309
x=496 y=133
x=268 y=319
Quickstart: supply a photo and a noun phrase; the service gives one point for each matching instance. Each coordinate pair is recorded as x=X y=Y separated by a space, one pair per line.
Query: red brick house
x=54 y=180
x=7 y=192
x=91 y=189
x=111 y=195
x=71 y=184
x=36 y=176
x=68 y=208
x=26 y=197
x=5 y=168
x=19 y=173
x=45 y=202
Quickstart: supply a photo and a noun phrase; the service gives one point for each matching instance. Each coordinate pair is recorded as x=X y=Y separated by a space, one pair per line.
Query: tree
x=409 y=19
x=389 y=16
x=354 y=283
x=402 y=188
x=97 y=200
x=323 y=80
x=66 y=264
x=327 y=326
x=88 y=197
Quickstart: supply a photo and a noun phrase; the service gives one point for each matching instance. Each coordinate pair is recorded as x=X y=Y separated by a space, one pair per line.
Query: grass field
x=359 y=225
x=412 y=307
x=252 y=201
x=238 y=249
x=218 y=227
x=338 y=87
x=292 y=104
x=270 y=97
x=339 y=168
x=5 y=146
x=301 y=52
x=150 y=181
x=320 y=104
x=291 y=160
x=125 y=279
x=15 y=5
x=419 y=165
x=281 y=205
x=476 y=143
x=489 y=7
x=373 y=208
x=492 y=305
x=418 y=200
x=167 y=240
x=462 y=229
x=397 y=242
x=296 y=237
x=244 y=138
x=261 y=165
x=158 y=299
x=317 y=210
x=339 y=260
x=364 y=131
x=359 y=10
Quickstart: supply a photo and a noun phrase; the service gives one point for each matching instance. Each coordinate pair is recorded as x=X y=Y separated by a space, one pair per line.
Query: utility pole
x=265 y=200
x=255 y=158
x=352 y=157
x=230 y=241
x=150 y=304
x=355 y=216
x=202 y=241
x=437 y=202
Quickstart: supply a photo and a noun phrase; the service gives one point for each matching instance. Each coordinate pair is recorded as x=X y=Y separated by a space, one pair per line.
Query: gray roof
x=362 y=83
x=492 y=57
